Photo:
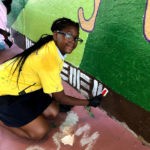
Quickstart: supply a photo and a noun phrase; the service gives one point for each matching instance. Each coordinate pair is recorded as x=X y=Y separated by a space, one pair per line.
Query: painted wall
x=115 y=51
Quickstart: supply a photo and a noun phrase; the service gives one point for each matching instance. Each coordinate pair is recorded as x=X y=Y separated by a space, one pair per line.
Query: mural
x=121 y=53
x=147 y=21
x=116 y=36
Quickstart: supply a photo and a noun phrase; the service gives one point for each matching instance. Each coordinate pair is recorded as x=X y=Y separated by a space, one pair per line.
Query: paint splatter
x=56 y=138
x=66 y=128
x=34 y=148
x=89 y=141
x=86 y=139
x=83 y=129
x=71 y=120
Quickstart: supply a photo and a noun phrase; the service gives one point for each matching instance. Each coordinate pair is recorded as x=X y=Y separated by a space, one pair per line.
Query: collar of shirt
x=60 y=54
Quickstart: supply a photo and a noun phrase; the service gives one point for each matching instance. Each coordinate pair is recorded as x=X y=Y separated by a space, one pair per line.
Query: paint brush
x=88 y=108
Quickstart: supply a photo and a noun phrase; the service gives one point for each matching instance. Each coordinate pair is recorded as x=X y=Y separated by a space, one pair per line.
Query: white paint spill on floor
x=86 y=139
x=67 y=129
x=67 y=133
x=68 y=140
x=34 y=148
x=89 y=141
x=56 y=138
x=83 y=129
x=70 y=121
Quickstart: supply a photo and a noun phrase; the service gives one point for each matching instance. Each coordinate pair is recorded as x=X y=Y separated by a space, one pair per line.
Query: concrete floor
x=98 y=133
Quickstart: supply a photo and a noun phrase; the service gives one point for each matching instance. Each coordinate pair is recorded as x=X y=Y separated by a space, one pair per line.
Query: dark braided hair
x=62 y=23
x=58 y=24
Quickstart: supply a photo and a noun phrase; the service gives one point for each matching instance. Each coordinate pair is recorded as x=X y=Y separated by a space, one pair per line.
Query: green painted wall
x=37 y=16
x=116 y=52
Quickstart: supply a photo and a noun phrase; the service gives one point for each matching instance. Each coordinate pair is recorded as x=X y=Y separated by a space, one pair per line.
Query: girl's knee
x=37 y=129
x=39 y=133
x=55 y=112
x=51 y=111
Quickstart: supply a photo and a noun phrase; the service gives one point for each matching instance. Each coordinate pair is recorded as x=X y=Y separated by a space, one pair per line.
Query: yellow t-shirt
x=41 y=70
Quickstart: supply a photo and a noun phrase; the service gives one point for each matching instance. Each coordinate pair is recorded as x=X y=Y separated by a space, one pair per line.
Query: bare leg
x=39 y=127
x=52 y=110
x=35 y=130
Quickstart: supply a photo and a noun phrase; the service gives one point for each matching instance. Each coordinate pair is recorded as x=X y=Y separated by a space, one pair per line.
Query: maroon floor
x=102 y=133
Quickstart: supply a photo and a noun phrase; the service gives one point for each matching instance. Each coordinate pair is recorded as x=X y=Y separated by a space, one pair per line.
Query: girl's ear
x=55 y=36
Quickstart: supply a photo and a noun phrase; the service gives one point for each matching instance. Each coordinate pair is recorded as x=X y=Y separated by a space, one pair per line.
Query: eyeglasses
x=69 y=36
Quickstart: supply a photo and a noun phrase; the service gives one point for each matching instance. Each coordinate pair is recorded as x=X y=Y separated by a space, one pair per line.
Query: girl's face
x=67 y=39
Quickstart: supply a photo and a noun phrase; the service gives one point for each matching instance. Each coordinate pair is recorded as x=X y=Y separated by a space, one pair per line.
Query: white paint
x=67 y=133
x=68 y=140
x=85 y=85
x=65 y=65
x=56 y=138
x=89 y=141
x=78 y=79
x=85 y=77
x=65 y=71
x=71 y=74
x=34 y=148
x=71 y=120
x=83 y=129
x=66 y=128
x=65 y=78
x=94 y=90
x=100 y=86
x=28 y=43
x=74 y=77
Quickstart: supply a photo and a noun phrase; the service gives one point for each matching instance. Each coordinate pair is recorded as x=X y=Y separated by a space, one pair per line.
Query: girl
x=31 y=86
